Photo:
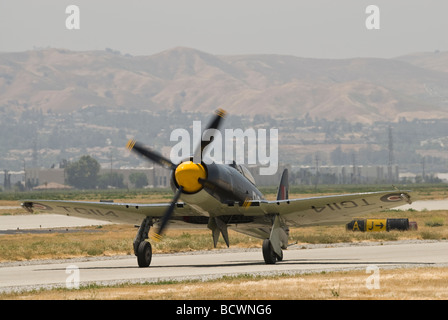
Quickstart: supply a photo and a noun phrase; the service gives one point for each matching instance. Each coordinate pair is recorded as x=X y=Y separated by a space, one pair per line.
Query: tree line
x=84 y=174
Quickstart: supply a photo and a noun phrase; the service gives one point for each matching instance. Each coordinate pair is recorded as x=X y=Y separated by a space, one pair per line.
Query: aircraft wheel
x=144 y=254
x=268 y=253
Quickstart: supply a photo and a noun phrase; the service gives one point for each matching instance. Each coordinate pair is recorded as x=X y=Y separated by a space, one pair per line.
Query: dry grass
x=117 y=239
x=414 y=283
x=18 y=247
x=108 y=240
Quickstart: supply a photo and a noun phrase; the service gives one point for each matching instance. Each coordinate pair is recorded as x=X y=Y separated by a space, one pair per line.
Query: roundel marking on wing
x=391 y=197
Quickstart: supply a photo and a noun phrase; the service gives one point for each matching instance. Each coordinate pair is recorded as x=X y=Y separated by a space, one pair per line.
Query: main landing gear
x=269 y=255
x=278 y=240
x=144 y=254
x=142 y=248
x=272 y=247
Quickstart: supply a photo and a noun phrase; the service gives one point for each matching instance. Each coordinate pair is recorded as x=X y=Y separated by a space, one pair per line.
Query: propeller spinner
x=187 y=175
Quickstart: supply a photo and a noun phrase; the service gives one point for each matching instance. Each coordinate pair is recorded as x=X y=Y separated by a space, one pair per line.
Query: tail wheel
x=268 y=253
x=144 y=254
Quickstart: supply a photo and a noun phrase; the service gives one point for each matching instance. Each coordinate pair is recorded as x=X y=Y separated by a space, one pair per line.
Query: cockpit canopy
x=244 y=171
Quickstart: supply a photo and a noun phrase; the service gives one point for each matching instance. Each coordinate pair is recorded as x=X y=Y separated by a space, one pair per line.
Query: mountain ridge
x=186 y=79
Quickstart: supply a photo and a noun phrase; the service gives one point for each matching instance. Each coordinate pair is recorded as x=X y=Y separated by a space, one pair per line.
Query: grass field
x=117 y=239
x=395 y=284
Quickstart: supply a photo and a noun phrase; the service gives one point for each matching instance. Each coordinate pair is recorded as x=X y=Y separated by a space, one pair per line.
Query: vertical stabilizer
x=283 y=188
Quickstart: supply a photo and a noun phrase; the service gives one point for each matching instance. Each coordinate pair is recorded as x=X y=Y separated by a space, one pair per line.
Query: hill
x=358 y=90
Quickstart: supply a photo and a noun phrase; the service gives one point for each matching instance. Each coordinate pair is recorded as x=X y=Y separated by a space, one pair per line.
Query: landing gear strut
x=142 y=248
x=270 y=257
x=278 y=240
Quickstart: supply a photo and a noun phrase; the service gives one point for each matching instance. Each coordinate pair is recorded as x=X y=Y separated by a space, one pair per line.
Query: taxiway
x=205 y=265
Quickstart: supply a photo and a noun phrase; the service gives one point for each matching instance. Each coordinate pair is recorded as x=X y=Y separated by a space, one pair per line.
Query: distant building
x=52 y=186
x=345 y=174
x=10 y=178
x=157 y=177
x=267 y=180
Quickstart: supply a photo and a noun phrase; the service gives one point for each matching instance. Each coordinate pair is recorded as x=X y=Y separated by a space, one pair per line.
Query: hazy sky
x=306 y=28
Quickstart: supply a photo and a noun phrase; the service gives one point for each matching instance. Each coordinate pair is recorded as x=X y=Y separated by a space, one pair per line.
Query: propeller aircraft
x=222 y=196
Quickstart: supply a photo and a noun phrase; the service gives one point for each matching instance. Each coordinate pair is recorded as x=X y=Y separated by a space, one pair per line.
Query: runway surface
x=215 y=264
x=44 y=221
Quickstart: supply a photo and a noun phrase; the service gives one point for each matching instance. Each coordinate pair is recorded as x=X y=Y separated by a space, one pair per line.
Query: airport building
x=345 y=175
x=158 y=177
x=54 y=178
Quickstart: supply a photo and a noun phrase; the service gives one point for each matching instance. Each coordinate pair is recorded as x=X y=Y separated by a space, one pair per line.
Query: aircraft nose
x=187 y=174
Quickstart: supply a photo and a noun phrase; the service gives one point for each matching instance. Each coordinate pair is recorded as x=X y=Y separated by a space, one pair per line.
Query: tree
x=111 y=180
x=83 y=174
x=138 y=179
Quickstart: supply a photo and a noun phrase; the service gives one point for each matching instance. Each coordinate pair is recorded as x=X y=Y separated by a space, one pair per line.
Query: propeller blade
x=167 y=216
x=214 y=124
x=133 y=145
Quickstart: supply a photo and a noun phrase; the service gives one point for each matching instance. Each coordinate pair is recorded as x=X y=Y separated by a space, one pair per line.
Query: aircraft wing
x=293 y=212
x=128 y=213
x=327 y=209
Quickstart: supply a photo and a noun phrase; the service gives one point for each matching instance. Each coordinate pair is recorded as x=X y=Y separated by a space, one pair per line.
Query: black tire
x=144 y=254
x=268 y=253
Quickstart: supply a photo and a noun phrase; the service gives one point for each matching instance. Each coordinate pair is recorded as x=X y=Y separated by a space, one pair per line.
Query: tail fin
x=283 y=188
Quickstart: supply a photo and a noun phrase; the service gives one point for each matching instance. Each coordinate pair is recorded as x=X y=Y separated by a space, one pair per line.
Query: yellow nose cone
x=187 y=175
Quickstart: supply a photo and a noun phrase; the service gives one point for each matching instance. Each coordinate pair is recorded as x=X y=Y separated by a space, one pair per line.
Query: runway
x=215 y=264
x=43 y=223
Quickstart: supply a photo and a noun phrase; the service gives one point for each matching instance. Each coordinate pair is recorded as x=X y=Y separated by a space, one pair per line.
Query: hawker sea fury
x=222 y=196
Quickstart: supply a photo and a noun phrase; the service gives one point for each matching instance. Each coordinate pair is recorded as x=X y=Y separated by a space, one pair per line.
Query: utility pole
x=317 y=170
x=111 y=177
x=391 y=161
x=354 y=176
x=7 y=180
x=423 y=170
x=24 y=175
x=35 y=153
